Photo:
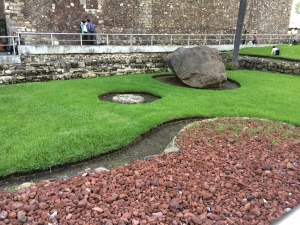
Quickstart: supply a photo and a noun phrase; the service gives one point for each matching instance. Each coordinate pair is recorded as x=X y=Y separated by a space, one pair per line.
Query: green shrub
x=231 y=66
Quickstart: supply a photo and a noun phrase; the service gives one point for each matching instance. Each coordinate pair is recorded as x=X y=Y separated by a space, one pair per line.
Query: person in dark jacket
x=91 y=30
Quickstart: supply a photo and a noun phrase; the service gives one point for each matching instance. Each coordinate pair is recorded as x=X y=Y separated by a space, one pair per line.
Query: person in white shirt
x=275 y=51
x=293 y=37
x=84 y=31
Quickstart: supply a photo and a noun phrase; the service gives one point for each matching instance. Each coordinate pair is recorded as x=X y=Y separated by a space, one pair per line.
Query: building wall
x=146 y=16
x=2 y=9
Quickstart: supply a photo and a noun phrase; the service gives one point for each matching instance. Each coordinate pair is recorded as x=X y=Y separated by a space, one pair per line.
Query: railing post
x=205 y=39
x=13 y=42
x=151 y=39
x=19 y=39
x=80 y=39
x=107 y=39
x=52 y=42
x=171 y=41
x=189 y=37
x=130 y=39
x=220 y=39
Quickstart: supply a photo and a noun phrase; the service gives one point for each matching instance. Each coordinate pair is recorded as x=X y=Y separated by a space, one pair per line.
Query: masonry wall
x=146 y=16
x=2 y=15
x=40 y=68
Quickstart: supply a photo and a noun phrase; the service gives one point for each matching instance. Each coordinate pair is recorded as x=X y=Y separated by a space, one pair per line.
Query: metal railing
x=138 y=39
x=51 y=39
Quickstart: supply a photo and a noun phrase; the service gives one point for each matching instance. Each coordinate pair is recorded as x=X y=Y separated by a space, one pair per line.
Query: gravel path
x=228 y=171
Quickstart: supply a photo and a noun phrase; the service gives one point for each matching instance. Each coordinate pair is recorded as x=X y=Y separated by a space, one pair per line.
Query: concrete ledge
x=98 y=49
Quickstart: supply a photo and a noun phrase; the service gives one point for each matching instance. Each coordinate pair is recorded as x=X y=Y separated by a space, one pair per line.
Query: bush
x=231 y=66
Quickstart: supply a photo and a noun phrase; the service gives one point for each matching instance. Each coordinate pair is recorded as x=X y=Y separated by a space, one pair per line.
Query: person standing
x=245 y=37
x=255 y=41
x=84 y=32
x=91 y=30
x=293 y=37
x=13 y=47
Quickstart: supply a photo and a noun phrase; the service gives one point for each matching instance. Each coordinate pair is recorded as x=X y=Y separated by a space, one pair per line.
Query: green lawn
x=286 y=51
x=47 y=124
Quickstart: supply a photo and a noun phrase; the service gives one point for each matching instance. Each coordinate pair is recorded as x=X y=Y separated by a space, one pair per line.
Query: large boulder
x=198 y=67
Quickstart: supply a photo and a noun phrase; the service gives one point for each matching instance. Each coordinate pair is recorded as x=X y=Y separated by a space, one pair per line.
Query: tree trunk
x=239 y=30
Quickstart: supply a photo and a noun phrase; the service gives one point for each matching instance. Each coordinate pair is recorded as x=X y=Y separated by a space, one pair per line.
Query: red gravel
x=228 y=171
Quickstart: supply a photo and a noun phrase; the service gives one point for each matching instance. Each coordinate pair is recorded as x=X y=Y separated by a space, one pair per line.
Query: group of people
x=88 y=37
x=293 y=40
x=252 y=41
x=87 y=30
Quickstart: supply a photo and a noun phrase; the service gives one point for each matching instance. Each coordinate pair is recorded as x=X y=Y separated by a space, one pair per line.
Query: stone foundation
x=39 y=68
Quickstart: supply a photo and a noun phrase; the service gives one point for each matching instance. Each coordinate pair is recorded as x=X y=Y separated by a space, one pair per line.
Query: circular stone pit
x=128 y=99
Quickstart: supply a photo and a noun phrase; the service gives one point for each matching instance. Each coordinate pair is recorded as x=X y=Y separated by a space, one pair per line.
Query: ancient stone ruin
x=198 y=67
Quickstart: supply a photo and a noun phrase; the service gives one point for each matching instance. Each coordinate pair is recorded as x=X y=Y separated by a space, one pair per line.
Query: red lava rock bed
x=228 y=171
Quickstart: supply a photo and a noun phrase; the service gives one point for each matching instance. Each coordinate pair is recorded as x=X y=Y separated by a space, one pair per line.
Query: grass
x=286 y=51
x=43 y=125
x=238 y=129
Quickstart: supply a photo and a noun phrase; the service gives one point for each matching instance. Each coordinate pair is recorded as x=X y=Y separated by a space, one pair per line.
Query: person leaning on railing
x=13 y=44
x=91 y=30
x=84 y=32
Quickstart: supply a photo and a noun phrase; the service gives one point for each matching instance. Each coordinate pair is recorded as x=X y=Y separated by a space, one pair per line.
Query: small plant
x=295 y=42
x=231 y=66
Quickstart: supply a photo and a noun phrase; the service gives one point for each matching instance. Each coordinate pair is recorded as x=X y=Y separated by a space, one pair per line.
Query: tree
x=297 y=8
x=239 y=30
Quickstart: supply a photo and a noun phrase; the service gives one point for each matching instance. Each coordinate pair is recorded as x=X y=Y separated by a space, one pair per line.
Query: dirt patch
x=173 y=80
x=169 y=79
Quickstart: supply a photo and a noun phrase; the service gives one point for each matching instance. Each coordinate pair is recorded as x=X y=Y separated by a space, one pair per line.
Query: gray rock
x=128 y=99
x=198 y=67
x=89 y=74
x=149 y=157
x=3 y=215
x=100 y=169
x=26 y=185
x=172 y=149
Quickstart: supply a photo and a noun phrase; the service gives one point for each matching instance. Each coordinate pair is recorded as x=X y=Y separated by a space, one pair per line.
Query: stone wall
x=146 y=16
x=2 y=15
x=39 y=68
x=269 y=65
